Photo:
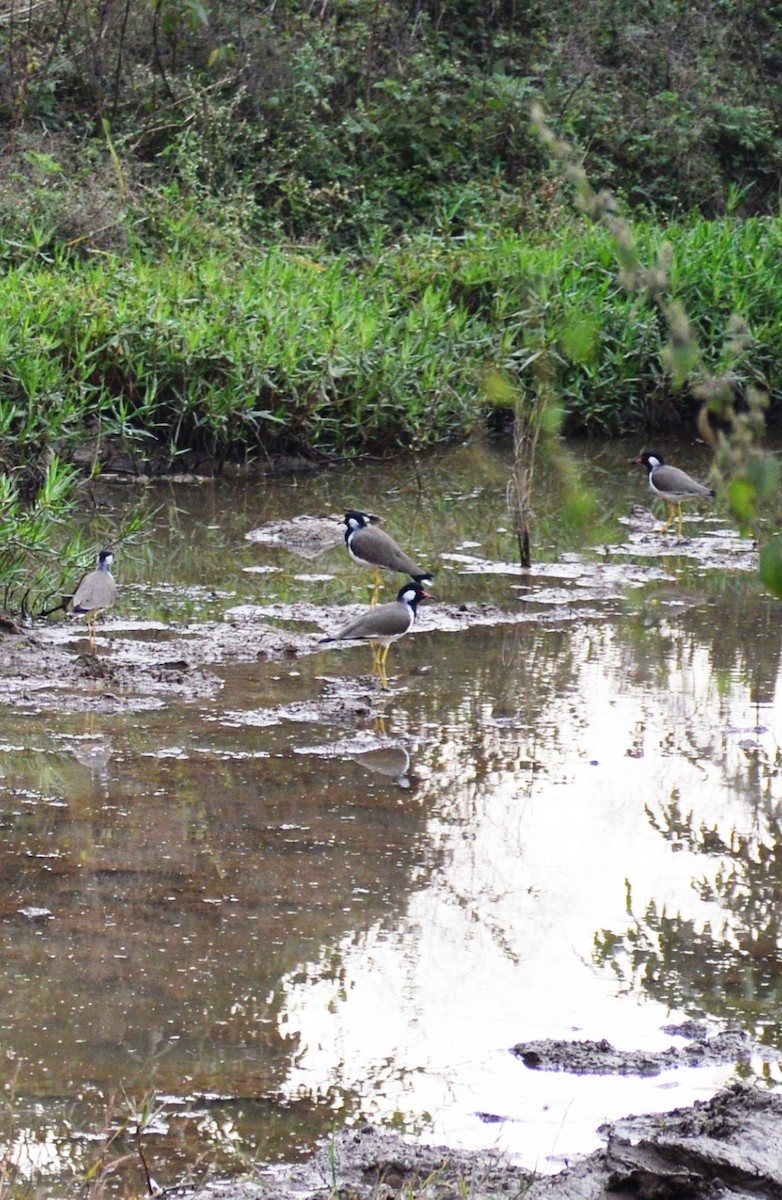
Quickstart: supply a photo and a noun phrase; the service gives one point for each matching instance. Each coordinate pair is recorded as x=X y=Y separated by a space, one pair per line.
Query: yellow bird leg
x=376 y=593
x=671 y=516
x=674 y=514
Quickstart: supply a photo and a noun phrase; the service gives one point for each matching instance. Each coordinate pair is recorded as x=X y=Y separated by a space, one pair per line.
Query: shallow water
x=567 y=827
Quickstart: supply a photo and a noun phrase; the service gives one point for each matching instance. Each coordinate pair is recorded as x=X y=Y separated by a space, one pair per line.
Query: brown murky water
x=266 y=921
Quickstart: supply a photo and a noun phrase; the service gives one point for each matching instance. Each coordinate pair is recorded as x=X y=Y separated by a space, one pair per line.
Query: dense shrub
x=329 y=122
x=287 y=352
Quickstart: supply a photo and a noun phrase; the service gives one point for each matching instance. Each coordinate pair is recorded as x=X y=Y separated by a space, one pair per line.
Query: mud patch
x=729 y=1146
x=713 y=545
x=141 y=664
x=41 y=676
x=600 y=1057
x=368 y=1164
x=304 y=535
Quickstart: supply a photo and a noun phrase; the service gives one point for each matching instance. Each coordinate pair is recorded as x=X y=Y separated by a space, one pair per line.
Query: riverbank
x=730 y=1146
x=252 y=352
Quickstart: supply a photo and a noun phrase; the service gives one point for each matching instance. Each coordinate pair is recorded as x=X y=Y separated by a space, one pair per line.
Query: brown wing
x=375 y=546
x=97 y=591
x=386 y=620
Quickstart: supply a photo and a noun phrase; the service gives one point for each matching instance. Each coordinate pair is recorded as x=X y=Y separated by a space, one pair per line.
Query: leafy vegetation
x=731 y=416
x=334 y=120
x=231 y=232
x=285 y=353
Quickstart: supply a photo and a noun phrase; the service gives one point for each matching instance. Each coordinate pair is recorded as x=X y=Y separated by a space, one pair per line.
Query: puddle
x=242 y=876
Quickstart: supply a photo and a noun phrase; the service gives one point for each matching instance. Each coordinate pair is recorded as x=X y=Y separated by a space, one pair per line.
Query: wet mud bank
x=729 y=1146
x=465 y=752
x=139 y=664
x=601 y=1058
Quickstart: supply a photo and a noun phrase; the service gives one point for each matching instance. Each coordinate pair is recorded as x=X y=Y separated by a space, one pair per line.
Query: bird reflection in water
x=392 y=760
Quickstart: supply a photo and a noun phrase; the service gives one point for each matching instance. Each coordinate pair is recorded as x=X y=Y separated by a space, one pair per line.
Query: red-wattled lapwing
x=96 y=592
x=673 y=485
x=384 y=624
x=372 y=547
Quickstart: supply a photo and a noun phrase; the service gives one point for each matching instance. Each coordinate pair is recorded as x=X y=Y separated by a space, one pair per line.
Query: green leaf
x=763 y=472
x=743 y=502
x=578 y=337
x=500 y=390
x=552 y=417
x=771 y=565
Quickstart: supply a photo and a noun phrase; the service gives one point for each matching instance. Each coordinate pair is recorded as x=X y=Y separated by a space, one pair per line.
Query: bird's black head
x=355 y=519
x=649 y=459
x=413 y=593
x=105 y=558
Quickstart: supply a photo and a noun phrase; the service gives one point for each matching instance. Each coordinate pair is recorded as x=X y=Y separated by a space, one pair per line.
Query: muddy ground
x=729 y=1146
x=137 y=665
x=701 y=1048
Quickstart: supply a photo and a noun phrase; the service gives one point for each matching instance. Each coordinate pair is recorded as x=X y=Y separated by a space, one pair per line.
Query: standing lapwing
x=372 y=547
x=673 y=485
x=96 y=592
x=384 y=624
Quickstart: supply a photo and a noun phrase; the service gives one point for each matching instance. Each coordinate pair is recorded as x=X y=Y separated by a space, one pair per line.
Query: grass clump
x=276 y=354
x=284 y=351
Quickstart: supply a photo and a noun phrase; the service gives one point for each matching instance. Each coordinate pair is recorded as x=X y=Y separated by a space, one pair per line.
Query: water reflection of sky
x=570 y=832
x=498 y=946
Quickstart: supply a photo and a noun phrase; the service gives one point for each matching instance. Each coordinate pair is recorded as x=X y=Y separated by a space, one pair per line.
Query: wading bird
x=384 y=624
x=673 y=485
x=96 y=592
x=372 y=547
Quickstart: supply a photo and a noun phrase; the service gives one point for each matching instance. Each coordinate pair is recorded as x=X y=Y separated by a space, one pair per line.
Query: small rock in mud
x=92 y=667
x=304 y=535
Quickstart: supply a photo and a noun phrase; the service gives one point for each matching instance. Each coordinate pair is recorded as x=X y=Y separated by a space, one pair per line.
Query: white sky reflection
x=497 y=946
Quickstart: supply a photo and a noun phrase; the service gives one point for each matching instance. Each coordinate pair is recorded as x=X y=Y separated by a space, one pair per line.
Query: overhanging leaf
x=771 y=565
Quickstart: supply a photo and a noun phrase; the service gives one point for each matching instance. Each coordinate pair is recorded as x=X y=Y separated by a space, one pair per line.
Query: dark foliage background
x=332 y=119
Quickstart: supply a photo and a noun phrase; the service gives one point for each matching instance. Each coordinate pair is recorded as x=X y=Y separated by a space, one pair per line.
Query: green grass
x=238 y=350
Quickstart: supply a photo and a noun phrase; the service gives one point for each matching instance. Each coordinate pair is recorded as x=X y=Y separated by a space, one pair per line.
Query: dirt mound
x=730 y=1146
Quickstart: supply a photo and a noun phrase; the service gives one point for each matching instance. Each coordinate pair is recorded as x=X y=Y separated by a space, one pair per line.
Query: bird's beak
x=427 y=596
